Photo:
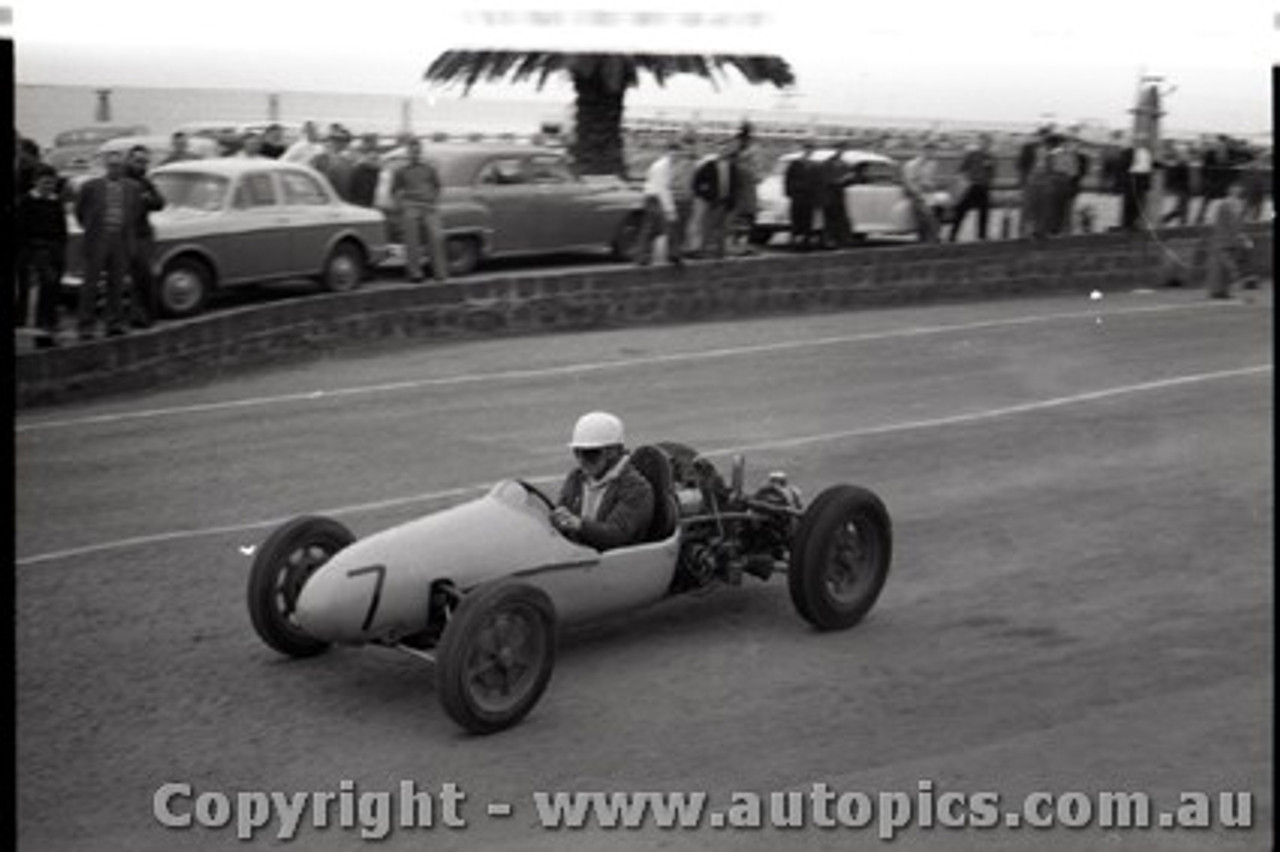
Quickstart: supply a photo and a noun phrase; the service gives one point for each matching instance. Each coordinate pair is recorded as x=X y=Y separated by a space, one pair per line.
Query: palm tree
x=601 y=81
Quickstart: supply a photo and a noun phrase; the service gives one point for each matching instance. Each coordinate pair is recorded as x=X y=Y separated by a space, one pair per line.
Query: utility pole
x=1147 y=113
x=103 y=111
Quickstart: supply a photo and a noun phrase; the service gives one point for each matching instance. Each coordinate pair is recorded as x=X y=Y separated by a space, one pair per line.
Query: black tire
x=285 y=560
x=840 y=557
x=759 y=235
x=184 y=287
x=626 y=241
x=463 y=253
x=478 y=656
x=344 y=269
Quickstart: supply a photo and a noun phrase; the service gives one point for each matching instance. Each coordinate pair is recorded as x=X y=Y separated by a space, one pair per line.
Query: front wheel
x=283 y=563
x=840 y=557
x=626 y=241
x=496 y=655
x=185 y=285
x=463 y=255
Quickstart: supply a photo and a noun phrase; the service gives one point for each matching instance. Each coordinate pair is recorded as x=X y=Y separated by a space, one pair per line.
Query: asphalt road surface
x=1081 y=598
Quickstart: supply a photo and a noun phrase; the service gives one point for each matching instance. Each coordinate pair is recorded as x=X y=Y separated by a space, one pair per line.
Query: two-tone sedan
x=504 y=200
x=878 y=204
x=234 y=221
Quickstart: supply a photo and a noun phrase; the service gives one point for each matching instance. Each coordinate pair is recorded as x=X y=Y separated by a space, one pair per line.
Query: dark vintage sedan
x=244 y=220
x=504 y=200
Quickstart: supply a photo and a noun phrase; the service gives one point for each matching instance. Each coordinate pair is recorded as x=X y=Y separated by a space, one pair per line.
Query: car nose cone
x=331 y=608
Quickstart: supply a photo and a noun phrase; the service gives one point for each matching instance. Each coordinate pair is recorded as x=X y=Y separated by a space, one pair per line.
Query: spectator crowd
x=700 y=195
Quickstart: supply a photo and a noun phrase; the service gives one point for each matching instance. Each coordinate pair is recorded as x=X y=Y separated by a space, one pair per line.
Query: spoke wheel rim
x=850 y=565
x=291 y=575
x=507 y=654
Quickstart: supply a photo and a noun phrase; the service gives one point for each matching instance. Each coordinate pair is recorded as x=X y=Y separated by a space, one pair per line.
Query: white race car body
x=378 y=589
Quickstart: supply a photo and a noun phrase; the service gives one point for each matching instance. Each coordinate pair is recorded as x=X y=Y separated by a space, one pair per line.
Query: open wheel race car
x=480 y=588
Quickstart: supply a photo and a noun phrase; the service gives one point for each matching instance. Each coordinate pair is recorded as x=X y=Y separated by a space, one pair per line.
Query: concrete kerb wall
x=205 y=347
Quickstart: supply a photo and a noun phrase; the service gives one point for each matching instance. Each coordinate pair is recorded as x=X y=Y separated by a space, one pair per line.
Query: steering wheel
x=551 y=507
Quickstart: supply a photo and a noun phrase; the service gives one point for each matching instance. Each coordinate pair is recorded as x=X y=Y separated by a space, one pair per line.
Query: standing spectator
x=1227 y=252
x=697 y=237
x=142 y=299
x=1141 y=164
x=1033 y=179
x=801 y=183
x=1080 y=165
x=228 y=144
x=251 y=145
x=1177 y=182
x=977 y=171
x=1215 y=175
x=1113 y=178
x=1061 y=175
x=42 y=244
x=336 y=163
x=179 y=149
x=1254 y=185
x=273 y=146
x=29 y=162
x=307 y=148
x=415 y=189
x=713 y=182
x=837 y=230
x=364 y=174
x=662 y=210
x=746 y=201
x=682 y=172
x=920 y=180
x=107 y=209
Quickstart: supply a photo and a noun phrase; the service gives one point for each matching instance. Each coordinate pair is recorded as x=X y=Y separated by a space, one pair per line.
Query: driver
x=605 y=501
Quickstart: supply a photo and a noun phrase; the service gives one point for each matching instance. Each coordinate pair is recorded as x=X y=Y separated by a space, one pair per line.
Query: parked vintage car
x=237 y=221
x=878 y=204
x=216 y=130
x=159 y=146
x=504 y=200
x=73 y=149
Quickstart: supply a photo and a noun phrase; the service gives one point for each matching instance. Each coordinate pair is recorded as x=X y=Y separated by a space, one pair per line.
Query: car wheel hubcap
x=849 y=571
x=182 y=290
x=292 y=575
x=343 y=272
x=503 y=666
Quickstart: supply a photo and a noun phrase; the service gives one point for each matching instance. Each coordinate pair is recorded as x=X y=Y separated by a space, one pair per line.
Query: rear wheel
x=840 y=557
x=496 y=655
x=285 y=560
x=184 y=288
x=344 y=269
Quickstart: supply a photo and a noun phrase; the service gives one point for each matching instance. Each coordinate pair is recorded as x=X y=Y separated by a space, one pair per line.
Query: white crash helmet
x=596 y=429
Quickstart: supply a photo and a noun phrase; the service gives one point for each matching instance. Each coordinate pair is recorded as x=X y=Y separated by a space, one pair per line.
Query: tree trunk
x=597 y=138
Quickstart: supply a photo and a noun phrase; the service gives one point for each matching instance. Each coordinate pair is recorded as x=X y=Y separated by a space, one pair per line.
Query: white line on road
x=780 y=443
x=577 y=369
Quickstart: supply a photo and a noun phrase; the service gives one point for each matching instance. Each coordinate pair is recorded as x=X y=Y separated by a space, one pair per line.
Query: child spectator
x=42 y=244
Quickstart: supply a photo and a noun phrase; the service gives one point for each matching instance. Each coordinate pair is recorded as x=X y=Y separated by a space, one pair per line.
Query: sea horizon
x=42 y=110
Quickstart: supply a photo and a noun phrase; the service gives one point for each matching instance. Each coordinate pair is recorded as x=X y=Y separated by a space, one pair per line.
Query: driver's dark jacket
x=626 y=509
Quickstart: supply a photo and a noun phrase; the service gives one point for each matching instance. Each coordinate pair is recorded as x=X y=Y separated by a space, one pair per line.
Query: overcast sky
x=945 y=59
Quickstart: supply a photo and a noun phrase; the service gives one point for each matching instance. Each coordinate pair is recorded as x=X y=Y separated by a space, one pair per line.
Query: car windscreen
x=192 y=190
